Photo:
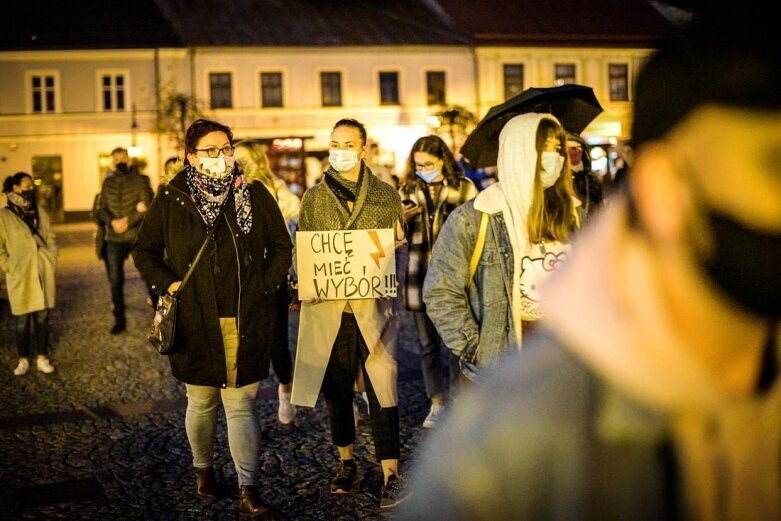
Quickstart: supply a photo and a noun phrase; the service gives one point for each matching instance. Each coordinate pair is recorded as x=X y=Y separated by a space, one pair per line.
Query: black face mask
x=29 y=196
x=746 y=264
x=122 y=168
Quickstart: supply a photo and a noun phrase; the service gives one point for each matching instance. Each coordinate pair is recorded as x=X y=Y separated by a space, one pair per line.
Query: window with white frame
x=564 y=73
x=389 y=87
x=331 y=89
x=270 y=89
x=221 y=90
x=43 y=92
x=618 y=77
x=513 y=79
x=113 y=91
x=435 y=88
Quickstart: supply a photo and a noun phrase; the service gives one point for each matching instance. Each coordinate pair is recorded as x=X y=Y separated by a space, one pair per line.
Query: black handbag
x=164 y=322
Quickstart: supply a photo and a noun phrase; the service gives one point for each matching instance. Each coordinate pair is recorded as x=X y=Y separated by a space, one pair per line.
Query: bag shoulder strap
x=479 y=245
x=205 y=243
x=32 y=228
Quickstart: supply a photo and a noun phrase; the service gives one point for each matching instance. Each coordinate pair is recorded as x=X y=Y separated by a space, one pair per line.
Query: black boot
x=118 y=327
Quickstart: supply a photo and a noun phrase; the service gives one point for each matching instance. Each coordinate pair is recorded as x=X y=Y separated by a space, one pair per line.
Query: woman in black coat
x=221 y=347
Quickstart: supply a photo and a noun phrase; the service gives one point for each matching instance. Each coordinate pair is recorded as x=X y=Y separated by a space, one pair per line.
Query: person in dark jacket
x=124 y=198
x=587 y=185
x=221 y=347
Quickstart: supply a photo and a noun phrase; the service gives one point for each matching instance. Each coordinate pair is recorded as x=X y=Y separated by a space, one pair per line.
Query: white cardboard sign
x=346 y=264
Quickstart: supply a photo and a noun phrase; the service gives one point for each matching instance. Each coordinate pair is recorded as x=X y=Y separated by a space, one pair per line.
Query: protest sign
x=346 y=264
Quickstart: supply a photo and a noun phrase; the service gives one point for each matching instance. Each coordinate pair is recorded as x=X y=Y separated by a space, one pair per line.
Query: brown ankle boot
x=205 y=483
x=250 y=505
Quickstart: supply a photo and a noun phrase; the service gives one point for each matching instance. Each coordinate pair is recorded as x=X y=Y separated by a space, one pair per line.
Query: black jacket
x=168 y=240
x=119 y=197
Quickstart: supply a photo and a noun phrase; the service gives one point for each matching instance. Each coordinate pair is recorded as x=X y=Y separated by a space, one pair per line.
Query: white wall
x=80 y=133
x=591 y=69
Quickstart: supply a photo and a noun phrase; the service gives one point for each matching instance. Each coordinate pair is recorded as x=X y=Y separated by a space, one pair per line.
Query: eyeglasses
x=215 y=152
x=425 y=167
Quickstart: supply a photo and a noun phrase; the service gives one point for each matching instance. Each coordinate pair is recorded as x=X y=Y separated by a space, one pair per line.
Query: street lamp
x=133 y=150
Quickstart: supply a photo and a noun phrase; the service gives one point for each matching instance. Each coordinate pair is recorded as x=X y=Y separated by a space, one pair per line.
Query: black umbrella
x=575 y=106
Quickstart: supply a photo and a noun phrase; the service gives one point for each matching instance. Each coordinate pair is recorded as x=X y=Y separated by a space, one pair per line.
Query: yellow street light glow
x=433 y=121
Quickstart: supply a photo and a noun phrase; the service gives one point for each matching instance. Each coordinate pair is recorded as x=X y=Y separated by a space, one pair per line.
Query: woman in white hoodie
x=482 y=287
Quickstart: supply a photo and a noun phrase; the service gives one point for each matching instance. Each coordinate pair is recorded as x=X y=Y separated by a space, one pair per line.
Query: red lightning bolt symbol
x=381 y=253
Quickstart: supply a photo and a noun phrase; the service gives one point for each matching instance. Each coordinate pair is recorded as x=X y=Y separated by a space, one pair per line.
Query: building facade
x=65 y=104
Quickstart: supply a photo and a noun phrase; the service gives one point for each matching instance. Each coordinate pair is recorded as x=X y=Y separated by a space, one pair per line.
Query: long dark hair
x=436 y=147
x=552 y=212
x=14 y=180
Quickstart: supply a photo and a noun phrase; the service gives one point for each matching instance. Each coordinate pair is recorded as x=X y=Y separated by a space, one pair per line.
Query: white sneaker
x=22 y=367
x=43 y=365
x=287 y=411
x=437 y=410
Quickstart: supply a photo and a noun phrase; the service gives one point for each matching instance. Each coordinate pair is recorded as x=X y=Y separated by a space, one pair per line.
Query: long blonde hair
x=552 y=211
x=257 y=168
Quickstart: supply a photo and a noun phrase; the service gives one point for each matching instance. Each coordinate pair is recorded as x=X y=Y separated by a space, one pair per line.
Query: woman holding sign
x=221 y=346
x=434 y=187
x=343 y=339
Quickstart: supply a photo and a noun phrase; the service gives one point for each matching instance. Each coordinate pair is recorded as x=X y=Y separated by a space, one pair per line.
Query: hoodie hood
x=517 y=163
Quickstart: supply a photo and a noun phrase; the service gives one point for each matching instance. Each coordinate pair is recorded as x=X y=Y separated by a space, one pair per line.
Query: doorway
x=47 y=175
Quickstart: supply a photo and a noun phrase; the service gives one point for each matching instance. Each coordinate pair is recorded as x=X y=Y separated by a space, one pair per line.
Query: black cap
x=730 y=57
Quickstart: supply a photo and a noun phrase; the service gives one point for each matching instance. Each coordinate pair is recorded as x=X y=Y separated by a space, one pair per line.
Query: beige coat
x=29 y=265
x=378 y=322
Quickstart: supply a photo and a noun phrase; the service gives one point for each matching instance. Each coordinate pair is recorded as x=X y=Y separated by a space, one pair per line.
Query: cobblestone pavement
x=103 y=437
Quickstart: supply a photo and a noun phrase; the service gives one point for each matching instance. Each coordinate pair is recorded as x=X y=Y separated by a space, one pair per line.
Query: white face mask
x=551 y=163
x=214 y=166
x=343 y=160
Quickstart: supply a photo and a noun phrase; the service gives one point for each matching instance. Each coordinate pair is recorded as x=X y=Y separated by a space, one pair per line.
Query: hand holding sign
x=346 y=264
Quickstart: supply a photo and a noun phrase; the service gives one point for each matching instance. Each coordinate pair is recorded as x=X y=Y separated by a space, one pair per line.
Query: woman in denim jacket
x=531 y=214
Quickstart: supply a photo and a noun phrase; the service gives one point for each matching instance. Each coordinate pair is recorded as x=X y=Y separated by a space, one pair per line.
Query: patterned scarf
x=209 y=194
x=23 y=208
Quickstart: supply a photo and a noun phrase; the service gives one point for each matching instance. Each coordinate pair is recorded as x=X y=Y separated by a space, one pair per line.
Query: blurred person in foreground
x=652 y=391
x=434 y=186
x=252 y=159
x=222 y=348
x=28 y=256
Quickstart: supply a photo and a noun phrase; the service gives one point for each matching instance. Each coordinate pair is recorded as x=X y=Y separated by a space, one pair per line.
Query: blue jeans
x=431 y=351
x=243 y=427
x=116 y=253
x=239 y=403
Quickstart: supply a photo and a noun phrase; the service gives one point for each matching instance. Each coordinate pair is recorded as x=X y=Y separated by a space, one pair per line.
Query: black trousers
x=116 y=253
x=348 y=356
x=281 y=361
x=33 y=328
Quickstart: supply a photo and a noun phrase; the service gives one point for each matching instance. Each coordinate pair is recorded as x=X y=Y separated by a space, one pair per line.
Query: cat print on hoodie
x=535 y=268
